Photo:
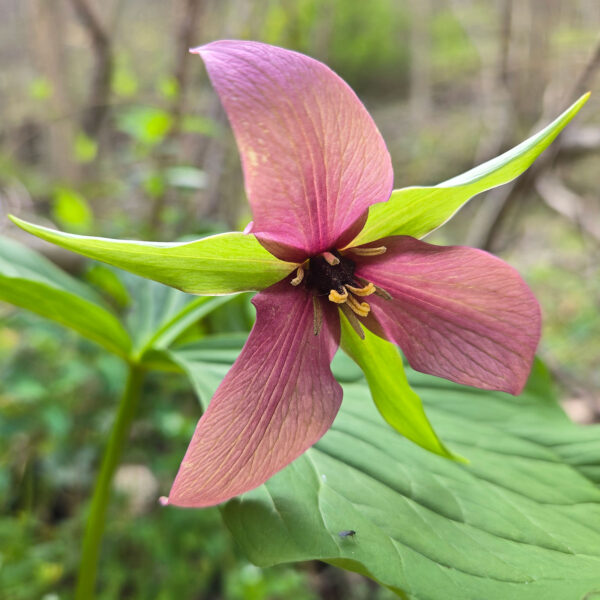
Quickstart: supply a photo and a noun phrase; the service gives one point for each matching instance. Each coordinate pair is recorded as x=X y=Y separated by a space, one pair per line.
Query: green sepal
x=397 y=402
x=213 y=266
x=417 y=211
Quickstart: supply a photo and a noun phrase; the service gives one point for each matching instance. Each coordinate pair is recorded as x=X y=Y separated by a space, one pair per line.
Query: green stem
x=86 y=579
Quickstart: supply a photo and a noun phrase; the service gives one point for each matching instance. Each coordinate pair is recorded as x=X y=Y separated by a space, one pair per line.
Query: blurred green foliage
x=57 y=401
x=145 y=124
x=71 y=210
x=85 y=148
x=365 y=43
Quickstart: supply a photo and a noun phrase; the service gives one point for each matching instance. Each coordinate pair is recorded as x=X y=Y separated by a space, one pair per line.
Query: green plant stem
x=86 y=579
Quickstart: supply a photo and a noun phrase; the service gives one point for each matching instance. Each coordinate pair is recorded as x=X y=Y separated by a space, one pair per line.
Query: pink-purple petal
x=277 y=400
x=313 y=158
x=456 y=312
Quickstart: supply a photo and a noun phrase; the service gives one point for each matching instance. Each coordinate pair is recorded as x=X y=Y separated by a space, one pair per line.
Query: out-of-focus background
x=109 y=127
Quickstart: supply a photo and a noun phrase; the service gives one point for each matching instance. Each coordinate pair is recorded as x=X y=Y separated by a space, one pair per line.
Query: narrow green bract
x=398 y=404
x=417 y=211
x=220 y=264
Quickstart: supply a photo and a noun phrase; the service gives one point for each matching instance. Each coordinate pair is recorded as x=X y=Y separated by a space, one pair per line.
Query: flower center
x=331 y=274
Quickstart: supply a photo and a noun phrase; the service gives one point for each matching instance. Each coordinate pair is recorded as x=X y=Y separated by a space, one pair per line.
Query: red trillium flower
x=314 y=162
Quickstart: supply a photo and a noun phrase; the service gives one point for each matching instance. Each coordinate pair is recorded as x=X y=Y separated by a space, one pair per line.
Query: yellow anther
x=299 y=277
x=362 y=309
x=338 y=298
x=368 y=251
x=367 y=290
x=330 y=258
x=378 y=291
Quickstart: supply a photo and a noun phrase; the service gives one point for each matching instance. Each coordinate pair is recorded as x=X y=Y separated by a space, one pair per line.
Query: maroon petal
x=456 y=312
x=313 y=158
x=277 y=400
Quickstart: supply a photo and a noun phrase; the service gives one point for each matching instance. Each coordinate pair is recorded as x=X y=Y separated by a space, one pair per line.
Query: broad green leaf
x=520 y=521
x=30 y=281
x=160 y=314
x=207 y=361
x=417 y=211
x=237 y=317
x=191 y=313
x=220 y=264
x=106 y=279
x=398 y=404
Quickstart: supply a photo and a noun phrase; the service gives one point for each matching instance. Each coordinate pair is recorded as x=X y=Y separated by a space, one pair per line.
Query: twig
x=48 y=45
x=581 y=140
x=494 y=96
x=185 y=38
x=566 y=203
x=420 y=61
x=99 y=94
x=507 y=196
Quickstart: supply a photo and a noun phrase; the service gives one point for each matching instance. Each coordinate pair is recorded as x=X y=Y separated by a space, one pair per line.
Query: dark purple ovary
x=324 y=277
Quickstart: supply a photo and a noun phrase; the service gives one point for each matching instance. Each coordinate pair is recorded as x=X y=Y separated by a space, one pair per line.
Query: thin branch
x=566 y=203
x=421 y=101
x=47 y=43
x=581 y=140
x=507 y=196
x=494 y=97
x=99 y=94
x=589 y=72
x=185 y=38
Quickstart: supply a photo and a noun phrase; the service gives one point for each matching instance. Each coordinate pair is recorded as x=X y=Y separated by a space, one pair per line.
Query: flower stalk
x=88 y=567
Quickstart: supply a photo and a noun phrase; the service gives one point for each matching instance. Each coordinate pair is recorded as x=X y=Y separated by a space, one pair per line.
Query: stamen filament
x=378 y=291
x=368 y=251
x=367 y=290
x=335 y=296
x=299 y=277
x=383 y=293
x=317 y=315
x=353 y=320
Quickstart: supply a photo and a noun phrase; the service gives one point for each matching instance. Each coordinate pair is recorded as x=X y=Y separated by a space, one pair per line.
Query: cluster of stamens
x=362 y=309
x=331 y=274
